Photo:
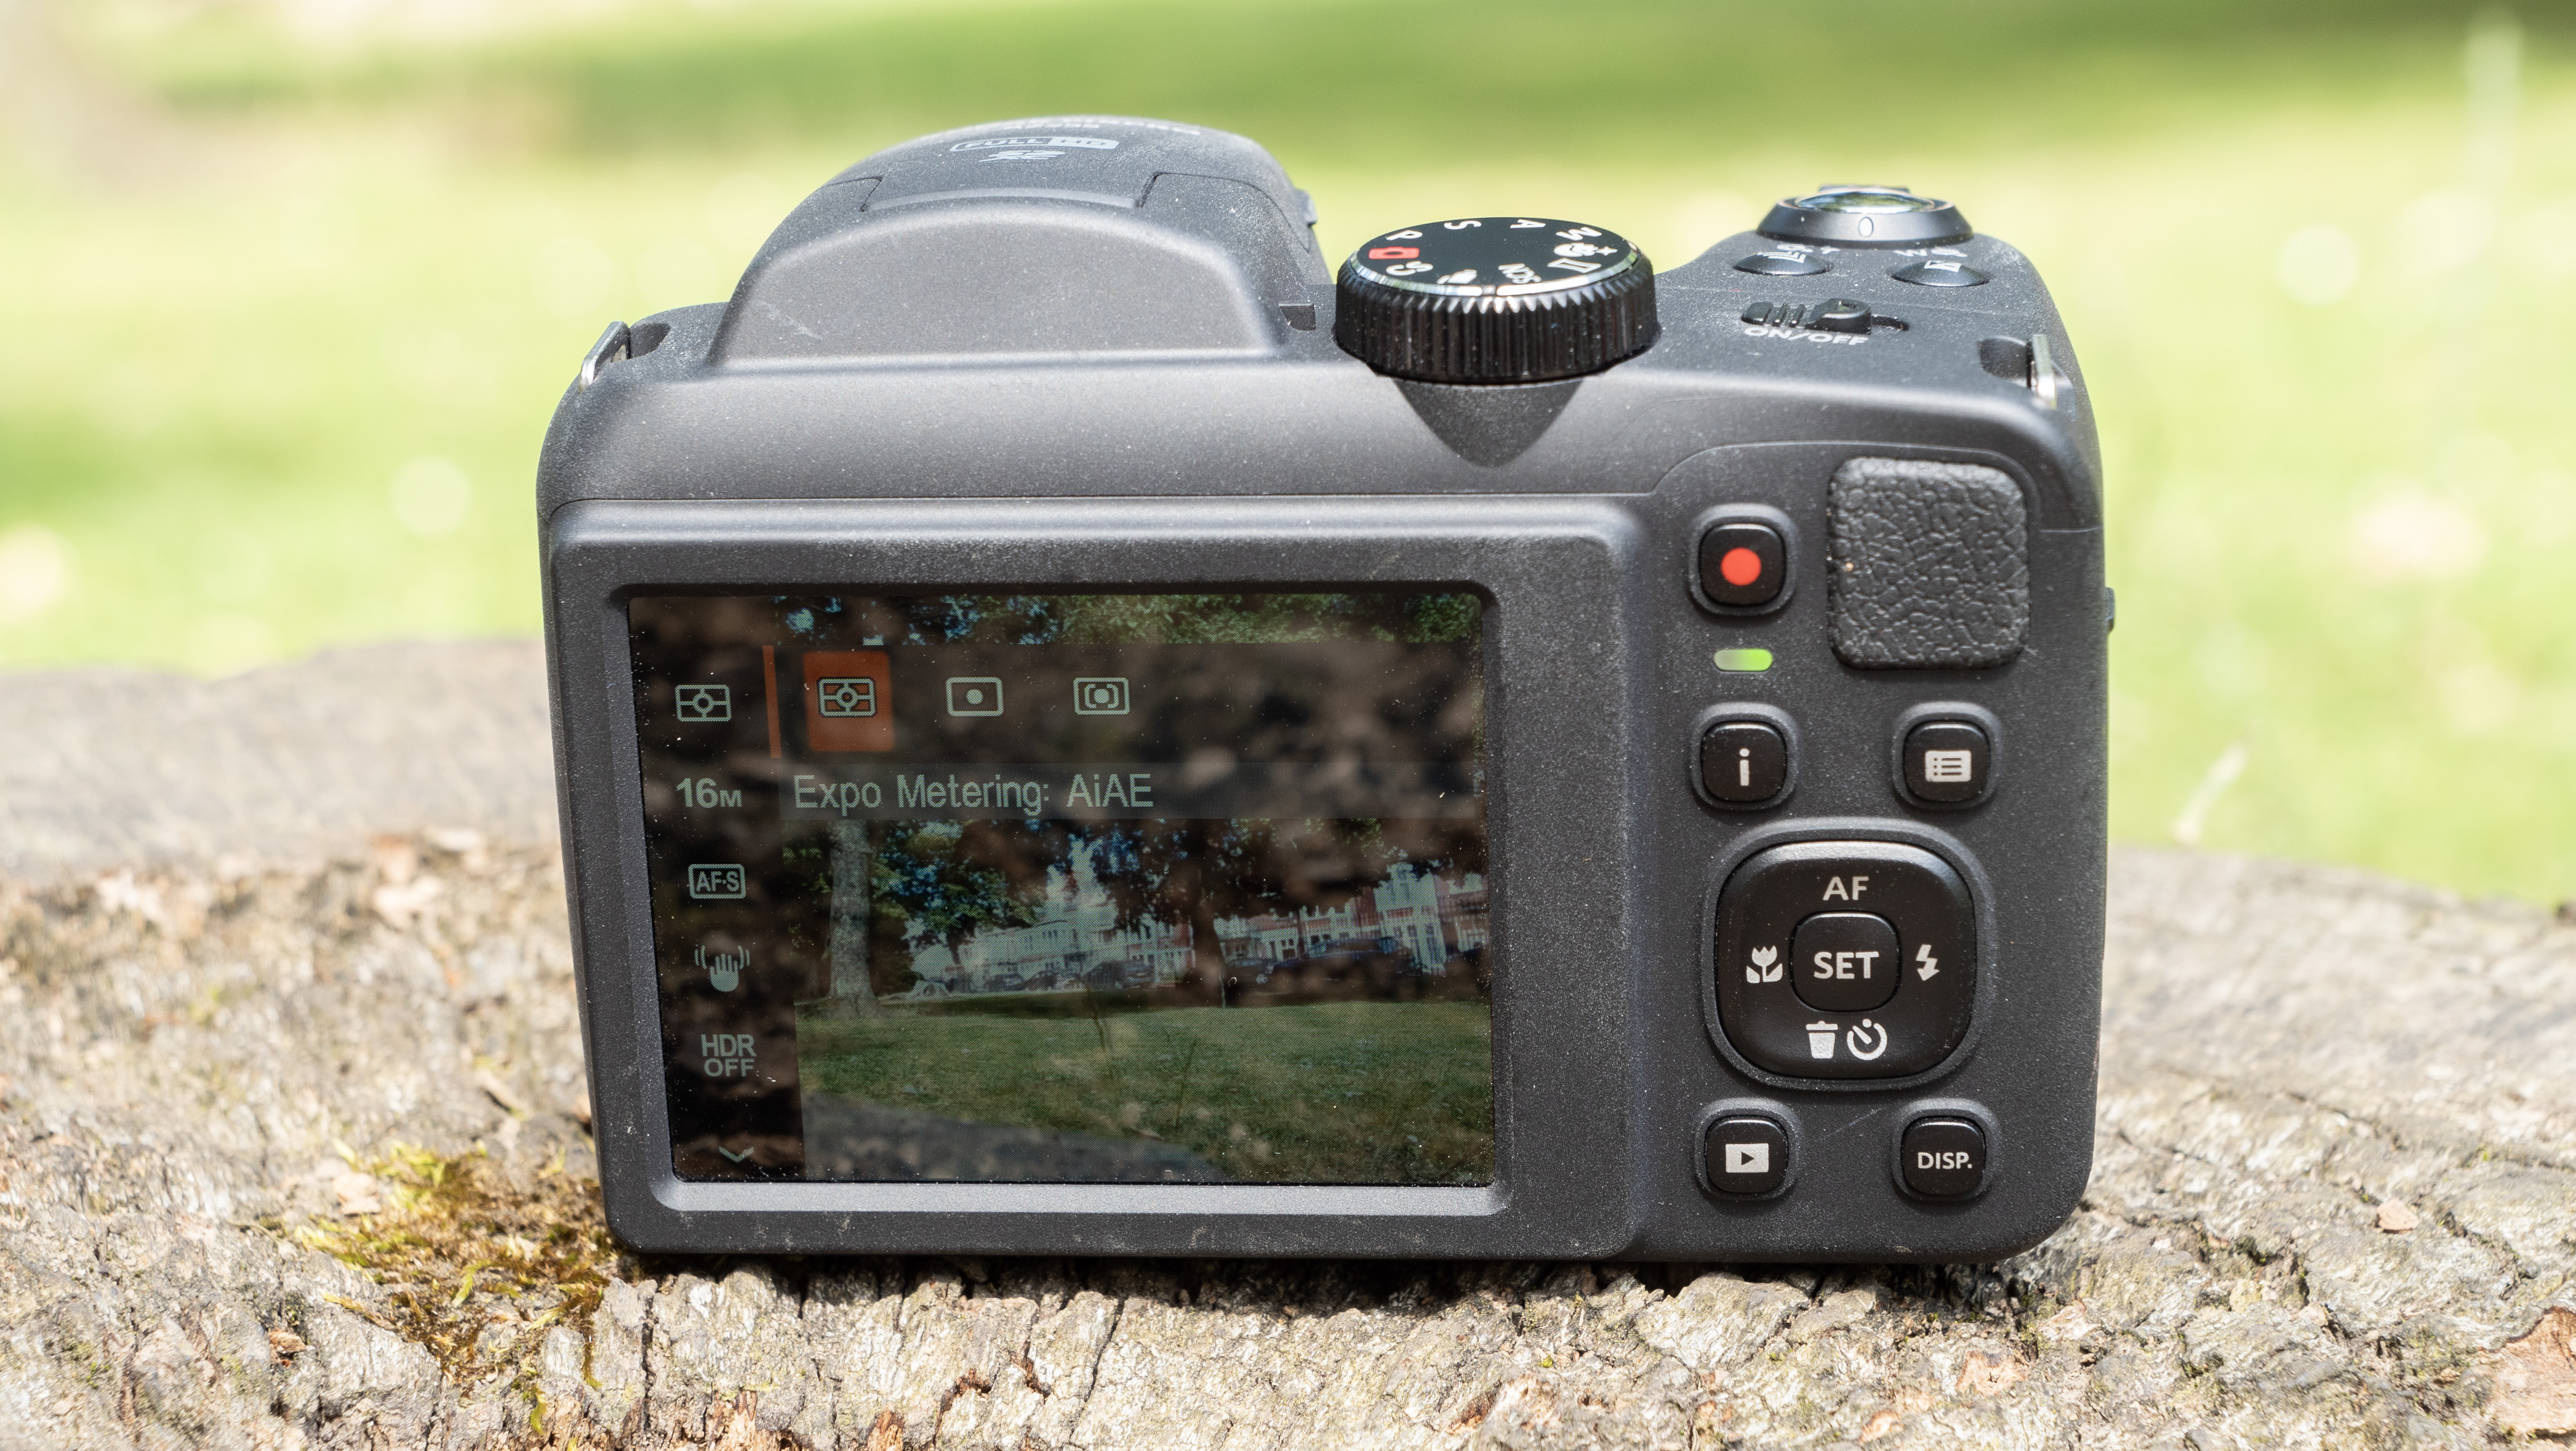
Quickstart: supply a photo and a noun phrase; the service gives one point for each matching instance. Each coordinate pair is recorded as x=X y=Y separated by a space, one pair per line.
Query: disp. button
x=1945 y=1158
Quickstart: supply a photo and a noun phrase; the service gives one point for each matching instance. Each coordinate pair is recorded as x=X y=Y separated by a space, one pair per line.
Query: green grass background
x=253 y=274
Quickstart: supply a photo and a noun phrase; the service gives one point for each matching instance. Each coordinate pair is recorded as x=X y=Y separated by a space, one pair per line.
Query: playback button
x=1746 y=1156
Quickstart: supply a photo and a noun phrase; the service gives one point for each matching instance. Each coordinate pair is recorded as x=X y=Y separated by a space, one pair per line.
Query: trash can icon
x=1820 y=1040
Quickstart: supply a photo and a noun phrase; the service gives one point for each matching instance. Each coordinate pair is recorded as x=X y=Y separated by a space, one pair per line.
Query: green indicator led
x=1748 y=660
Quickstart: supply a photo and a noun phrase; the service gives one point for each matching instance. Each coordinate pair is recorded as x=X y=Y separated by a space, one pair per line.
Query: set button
x=1844 y=962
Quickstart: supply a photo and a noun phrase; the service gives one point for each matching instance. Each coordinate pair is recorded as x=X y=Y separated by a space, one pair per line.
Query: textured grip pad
x=1929 y=564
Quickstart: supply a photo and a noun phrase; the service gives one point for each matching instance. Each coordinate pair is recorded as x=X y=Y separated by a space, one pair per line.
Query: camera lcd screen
x=1183 y=888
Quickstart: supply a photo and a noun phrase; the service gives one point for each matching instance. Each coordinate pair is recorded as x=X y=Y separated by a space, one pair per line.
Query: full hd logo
x=1078 y=143
x=1033 y=148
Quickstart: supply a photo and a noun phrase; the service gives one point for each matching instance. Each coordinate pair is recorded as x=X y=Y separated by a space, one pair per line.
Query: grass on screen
x=1330 y=1093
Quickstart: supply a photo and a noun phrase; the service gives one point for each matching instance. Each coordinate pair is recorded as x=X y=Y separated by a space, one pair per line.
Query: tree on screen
x=922 y=882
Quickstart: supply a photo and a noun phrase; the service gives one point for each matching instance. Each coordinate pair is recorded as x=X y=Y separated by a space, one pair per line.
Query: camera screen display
x=1179 y=888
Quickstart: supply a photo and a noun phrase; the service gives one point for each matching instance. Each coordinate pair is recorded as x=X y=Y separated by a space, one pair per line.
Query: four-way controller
x=1845 y=959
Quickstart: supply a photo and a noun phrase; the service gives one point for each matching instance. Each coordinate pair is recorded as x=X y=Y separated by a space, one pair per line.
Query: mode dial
x=1495 y=300
x=1866 y=216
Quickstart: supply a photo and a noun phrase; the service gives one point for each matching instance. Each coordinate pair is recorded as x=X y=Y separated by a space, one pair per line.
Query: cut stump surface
x=292 y=1152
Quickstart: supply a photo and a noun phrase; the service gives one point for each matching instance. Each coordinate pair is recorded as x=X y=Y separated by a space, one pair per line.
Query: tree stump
x=293 y=1153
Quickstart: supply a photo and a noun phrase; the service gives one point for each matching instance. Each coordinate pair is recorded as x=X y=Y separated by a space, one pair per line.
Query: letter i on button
x=1743 y=762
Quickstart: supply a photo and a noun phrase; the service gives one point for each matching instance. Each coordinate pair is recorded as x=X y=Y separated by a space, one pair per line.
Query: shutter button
x=1940 y=274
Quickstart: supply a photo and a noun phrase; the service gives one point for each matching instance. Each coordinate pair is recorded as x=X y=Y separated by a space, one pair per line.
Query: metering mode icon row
x=859 y=696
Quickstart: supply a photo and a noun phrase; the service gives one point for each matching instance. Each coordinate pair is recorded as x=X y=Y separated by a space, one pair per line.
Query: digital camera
x=1082 y=730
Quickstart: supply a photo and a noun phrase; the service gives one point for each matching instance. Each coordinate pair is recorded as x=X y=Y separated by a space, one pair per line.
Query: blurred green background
x=292 y=288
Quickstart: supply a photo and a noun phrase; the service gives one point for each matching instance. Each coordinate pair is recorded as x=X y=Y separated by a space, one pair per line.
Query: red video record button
x=1742 y=564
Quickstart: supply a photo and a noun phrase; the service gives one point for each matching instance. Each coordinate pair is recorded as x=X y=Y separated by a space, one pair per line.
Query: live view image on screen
x=1070 y=888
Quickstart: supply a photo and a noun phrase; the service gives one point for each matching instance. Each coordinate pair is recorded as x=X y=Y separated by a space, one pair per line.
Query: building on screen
x=1075 y=940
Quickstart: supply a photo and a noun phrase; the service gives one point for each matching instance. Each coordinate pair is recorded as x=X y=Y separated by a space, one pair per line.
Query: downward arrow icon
x=730 y=1154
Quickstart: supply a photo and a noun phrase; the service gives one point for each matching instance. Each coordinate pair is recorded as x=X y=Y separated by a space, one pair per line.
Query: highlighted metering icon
x=849 y=700
x=845 y=696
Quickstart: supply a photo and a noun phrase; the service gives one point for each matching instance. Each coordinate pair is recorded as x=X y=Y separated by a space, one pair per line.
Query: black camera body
x=1080 y=732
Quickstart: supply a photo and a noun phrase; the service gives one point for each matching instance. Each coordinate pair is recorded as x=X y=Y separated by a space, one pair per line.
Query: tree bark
x=2334 y=1181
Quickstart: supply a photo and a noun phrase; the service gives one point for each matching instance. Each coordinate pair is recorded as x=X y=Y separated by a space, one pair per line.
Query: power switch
x=1841 y=315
